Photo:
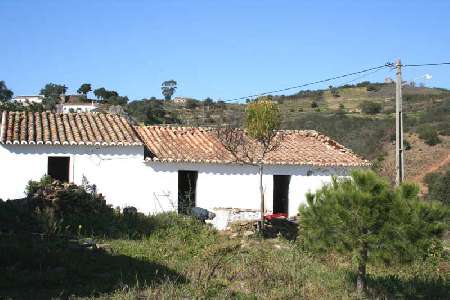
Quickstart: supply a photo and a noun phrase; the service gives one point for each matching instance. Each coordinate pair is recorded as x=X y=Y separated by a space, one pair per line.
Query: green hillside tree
x=439 y=186
x=5 y=93
x=52 y=93
x=84 y=89
x=168 y=88
x=365 y=217
x=100 y=93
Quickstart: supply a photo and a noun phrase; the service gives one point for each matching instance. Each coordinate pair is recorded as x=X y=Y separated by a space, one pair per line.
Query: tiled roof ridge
x=307 y=132
x=172 y=143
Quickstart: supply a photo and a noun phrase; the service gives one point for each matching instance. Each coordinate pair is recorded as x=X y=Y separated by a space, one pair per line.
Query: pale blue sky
x=218 y=49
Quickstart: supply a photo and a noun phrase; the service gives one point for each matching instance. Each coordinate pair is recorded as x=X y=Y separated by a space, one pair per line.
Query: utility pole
x=399 y=162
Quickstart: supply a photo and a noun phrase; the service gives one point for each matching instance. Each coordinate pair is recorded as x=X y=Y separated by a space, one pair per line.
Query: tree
x=334 y=91
x=111 y=97
x=5 y=93
x=367 y=218
x=109 y=94
x=429 y=134
x=168 y=88
x=191 y=103
x=53 y=90
x=372 y=88
x=438 y=186
x=154 y=112
x=84 y=89
x=260 y=137
x=370 y=107
x=52 y=95
x=117 y=100
x=100 y=93
x=208 y=101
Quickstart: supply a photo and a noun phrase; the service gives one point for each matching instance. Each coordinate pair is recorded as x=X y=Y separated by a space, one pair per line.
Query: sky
x=218 y=49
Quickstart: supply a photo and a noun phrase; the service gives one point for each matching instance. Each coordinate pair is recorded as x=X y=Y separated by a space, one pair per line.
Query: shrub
x=428 y=134
x=370 y=107
x=438 y=186
x=334 y=91
x=57 y=208
x=372 y=88
x=34 y=186
x=191 y=104
x=406 y=145
x=314 y=104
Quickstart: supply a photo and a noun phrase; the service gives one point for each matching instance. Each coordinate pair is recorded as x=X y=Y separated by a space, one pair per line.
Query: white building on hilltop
x=26 y=100
x=158 y=168
x=77 y=107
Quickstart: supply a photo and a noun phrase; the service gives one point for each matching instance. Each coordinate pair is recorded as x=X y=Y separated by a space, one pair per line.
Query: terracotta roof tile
x=63 y=129
x=298 y=147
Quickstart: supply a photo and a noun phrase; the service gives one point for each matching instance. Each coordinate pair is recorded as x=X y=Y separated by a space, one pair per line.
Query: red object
x=271 y=216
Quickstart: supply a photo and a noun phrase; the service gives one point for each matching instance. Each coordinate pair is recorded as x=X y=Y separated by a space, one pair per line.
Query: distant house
x=180 y=100
x=388 y=80
x=26 y=100
x=76 y=107
x=163 y=168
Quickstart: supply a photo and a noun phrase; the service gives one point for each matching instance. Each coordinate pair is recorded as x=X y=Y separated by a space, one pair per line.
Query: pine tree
x=367 y=218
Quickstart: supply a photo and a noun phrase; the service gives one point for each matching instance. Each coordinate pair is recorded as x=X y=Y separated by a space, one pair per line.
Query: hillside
x=337 y=113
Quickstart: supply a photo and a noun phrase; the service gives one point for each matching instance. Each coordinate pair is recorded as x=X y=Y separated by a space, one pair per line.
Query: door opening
x=187 y=185
x=58 y=168
x=281 y=193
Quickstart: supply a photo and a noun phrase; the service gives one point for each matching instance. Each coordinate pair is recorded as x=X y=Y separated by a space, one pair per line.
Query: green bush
x=33 y=186
x=406 y=145
x=372 y=88
x=428 y=134
x=314 y=104
x=438 y=186
x=57 y=208
x=370 y=107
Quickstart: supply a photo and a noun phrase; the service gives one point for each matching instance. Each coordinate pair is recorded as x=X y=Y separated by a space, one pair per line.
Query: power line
x=431 y=64
x=361 y=77
x=312 y=83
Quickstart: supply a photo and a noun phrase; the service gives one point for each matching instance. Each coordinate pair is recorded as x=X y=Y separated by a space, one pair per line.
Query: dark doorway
x=58 y=168
x=281 y=193
x=187 y=185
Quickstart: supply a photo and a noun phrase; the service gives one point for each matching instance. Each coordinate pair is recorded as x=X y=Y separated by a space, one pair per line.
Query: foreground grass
x=185 y=259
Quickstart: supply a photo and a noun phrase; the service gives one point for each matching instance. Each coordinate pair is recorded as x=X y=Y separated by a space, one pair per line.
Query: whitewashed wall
x=123 y=177
x=117 y=171
x=237 y=186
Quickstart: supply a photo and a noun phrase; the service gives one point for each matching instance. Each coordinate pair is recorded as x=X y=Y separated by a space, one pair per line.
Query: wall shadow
x=281 y=227
x=44 y=269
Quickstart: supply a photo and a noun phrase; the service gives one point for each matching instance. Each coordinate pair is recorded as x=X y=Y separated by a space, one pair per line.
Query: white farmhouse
x=191 y=166
x=162 y=168
x=104 y=148
x=77 y=107
x=26 y=100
